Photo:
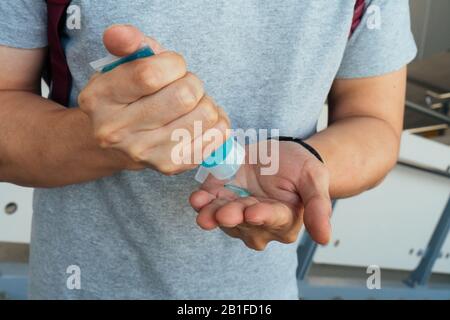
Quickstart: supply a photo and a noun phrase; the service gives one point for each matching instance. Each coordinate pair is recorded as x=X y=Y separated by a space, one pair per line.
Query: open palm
x=278 y=206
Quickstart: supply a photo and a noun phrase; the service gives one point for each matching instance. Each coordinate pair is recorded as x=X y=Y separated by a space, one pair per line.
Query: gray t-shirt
x=270 y=64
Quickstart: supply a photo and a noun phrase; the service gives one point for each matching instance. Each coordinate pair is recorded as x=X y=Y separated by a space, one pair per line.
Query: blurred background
x=396 y=233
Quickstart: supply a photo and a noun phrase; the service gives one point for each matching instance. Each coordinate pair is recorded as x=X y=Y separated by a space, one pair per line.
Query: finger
x=202 y=146
x=273 y=215
x=223 y=116
x=203 y=117
x=141 y=145
x=317 y=219
x=123 y=40
x=192 y=125
x=192 y=156
x=200 y=198
x=214 y=138
x=133 y=80
x=232 y=214
x=163 y=107
x=313 y=189
x=215 y=187
x=206 y=217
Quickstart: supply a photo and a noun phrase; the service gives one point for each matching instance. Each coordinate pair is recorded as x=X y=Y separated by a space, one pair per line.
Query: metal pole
x=427 y=111
x=305 y=252
x=421 y=275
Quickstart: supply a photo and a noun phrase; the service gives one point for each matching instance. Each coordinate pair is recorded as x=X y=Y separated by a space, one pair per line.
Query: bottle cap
x=223 y=163
x=110 y=62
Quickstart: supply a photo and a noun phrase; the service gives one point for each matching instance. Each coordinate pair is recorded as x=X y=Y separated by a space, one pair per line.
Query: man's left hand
x=278 y=206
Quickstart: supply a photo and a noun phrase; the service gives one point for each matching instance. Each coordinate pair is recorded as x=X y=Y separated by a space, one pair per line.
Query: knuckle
x=136 y=153
x=196 y=80
x=209 y=113
x=178 y=58
x=105 y=136
x=167 y=169
x=259 y=247
x=86 y=101
x=187 y=97
x=289 y=238
x=255 y=245
x=101 y=139
x=224 y=116
x=148 y=77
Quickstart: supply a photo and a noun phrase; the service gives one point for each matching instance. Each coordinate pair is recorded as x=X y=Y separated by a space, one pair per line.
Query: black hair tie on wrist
x=302 y=143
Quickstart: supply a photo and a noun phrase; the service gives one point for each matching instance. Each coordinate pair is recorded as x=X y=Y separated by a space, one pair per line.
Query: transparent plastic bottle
x=223 y=164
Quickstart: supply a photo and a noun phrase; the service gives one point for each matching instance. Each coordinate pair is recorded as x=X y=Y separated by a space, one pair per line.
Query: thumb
x=313 y=189
x=317 y=219
x=123 y=40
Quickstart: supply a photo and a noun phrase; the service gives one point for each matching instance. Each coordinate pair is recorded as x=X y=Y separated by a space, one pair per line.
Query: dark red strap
x=357 y=15
x=59 y=73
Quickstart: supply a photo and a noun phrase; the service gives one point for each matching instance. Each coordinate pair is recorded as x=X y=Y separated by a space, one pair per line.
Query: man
x=101 y=203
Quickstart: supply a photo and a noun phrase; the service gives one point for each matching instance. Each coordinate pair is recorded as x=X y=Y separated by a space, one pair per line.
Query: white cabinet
x=15 y=213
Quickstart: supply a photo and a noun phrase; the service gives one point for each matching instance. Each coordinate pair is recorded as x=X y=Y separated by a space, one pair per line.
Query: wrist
x=107 y=160
x=316 y=145
x=121 y=161
x=303 y=143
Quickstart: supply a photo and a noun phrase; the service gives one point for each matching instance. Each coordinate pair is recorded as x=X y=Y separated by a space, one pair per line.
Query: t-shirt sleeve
x=382 y=43
x=23 y=23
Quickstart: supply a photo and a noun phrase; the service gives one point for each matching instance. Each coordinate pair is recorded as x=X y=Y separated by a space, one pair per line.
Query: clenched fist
x=136 y=107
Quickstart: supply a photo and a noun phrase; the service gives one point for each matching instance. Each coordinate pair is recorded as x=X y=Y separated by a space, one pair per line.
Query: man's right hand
x=136 y=107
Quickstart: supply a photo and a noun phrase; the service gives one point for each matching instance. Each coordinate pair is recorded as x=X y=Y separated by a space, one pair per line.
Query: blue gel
x=241 y=192
x=144 y=52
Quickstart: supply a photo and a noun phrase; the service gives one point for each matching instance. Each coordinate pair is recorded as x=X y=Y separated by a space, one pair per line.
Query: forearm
x=358 y=151
x=45 y=145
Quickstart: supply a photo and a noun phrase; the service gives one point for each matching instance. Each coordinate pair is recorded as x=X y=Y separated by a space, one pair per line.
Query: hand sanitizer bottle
x=223 y=164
